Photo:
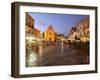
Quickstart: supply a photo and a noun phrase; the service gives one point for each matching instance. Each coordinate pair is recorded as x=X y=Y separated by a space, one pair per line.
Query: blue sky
x=62 y=23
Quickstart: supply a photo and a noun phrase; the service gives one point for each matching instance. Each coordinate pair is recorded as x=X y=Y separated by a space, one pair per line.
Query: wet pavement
x=60 y=54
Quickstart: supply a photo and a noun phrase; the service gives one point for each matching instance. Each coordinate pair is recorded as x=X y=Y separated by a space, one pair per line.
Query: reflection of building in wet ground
x=60 y=55
x=31 y=58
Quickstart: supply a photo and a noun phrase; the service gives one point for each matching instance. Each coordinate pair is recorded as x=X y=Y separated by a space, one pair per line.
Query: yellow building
x=84 y=38
x=50 y=34
x=29 y=24
x=37 y=33
x=31 y=31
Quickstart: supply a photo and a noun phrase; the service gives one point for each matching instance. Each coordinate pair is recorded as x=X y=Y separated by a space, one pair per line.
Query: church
x=49 y=34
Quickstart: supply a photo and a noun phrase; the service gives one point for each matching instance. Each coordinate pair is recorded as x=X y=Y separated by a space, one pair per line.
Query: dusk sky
x=61 y=23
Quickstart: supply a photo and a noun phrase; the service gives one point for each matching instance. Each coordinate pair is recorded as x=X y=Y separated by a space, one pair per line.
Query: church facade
x=49 y=34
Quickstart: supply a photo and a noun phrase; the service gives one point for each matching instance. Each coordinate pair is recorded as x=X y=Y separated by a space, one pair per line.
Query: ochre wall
x=50 y=34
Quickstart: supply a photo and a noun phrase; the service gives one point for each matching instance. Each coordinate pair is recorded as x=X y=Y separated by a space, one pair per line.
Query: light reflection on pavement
x=56 y=55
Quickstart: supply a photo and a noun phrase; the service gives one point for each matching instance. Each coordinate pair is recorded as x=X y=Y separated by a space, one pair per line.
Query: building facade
x=49 y=34
x=29 y=24
x=31 y=31
x=80 y=32
x=37 y=33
